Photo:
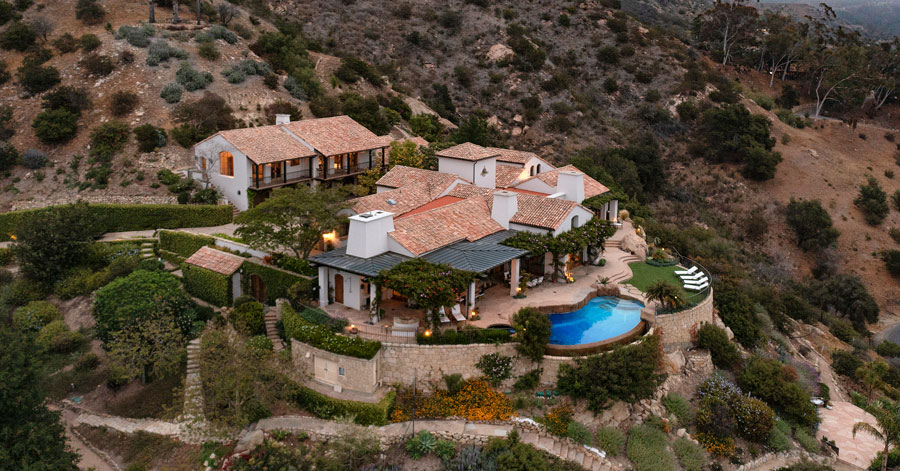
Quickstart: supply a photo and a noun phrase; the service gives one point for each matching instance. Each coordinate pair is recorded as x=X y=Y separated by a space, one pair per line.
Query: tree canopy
x=292 y=218
x=54 y=241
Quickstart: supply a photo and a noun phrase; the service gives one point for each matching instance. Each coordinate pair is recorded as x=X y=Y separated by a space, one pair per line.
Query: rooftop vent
x=391 y=202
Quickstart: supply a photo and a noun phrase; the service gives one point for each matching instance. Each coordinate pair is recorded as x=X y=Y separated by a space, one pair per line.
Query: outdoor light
x=428 y=333
x=329 y=236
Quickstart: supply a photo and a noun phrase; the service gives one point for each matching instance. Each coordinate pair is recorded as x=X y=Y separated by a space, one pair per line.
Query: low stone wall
x=678 y=328
x=359 y=374
x=789 y=457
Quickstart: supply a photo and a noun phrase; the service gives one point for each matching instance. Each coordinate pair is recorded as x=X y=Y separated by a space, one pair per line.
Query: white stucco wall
x=234 y=188
x=471 y=171
x=488 y=178
x=583 y=217
x=535 y=184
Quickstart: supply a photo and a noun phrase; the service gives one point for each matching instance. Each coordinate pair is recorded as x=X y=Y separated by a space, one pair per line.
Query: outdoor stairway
x=146 y=249
x=271 y=331
x=565 y=449
x=193 y=395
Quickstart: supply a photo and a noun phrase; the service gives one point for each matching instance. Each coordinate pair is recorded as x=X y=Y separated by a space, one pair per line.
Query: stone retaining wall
x=359 y=374
x=678 y=328
x=789 y=457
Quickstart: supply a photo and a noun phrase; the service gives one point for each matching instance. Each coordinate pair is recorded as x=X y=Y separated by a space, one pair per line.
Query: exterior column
x=514 y=277
x=615 y=211
x=284 y=171
x=471 y=299
x=605 y=213
x=372 y=290
x=323 y=286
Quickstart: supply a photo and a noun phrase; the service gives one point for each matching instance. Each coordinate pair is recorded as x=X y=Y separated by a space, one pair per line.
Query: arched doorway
x=258 y=288
x=339 y=289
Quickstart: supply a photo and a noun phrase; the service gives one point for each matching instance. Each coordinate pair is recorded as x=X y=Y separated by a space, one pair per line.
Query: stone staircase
x=271 y=331
x=193 y=394
x=146 y=249
x=567 y=450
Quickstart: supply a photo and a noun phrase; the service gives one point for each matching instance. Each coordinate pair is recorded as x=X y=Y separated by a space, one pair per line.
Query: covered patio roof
x=476 y=256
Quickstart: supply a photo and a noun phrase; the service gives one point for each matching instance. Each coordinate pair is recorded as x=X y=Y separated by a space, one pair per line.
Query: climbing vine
x=429 y=285
x=591 y=235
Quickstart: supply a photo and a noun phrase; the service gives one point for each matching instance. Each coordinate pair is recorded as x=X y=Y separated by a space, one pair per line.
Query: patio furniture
x=456 y=312
x=443 y=316
x=698 y=281
x=405 y=327
x=695 y=276
x=696 y=287
x=689 y=271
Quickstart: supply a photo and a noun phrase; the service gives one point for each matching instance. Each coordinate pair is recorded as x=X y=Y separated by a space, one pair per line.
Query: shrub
x=90 y=12
x=160 y=51
x=179 y=242
x=322 y=337
x=98 y=64
x=4 y=74
x=234 y=75
x=579 y=432
x=8 y=156
x=724 y=353
x=647 y=449
x=57 y=337
x=845 y=363
x=774 y=383
x=888 y=349
x=249 y=318
x=138 y=36
x=171 y=93
x=469 y=335
x=532 y=332
x=496 y=367
x=678 y=406
x=363 y=413
x=108 y=139
x=779 y=440
x=18 y=36
x=260 y=344
x=282 y=107
x=892 y=261
x=68 y=98
x=691 y=456
x=34 y=159
x=872 y=201
x=325 y=106
x=807 y=441
x=737 y=311
x=192 y=79
x=754 y=419
x=123 y=102
x=608 y=55
x=611 y=440
x=89 y=42
x=149 y=137
x=35 y=315
x=221 y=32
x=208 y=51
x=36 y=79
x=55 y=126
x=87 y=361
x=528 y=381
x=843 y=330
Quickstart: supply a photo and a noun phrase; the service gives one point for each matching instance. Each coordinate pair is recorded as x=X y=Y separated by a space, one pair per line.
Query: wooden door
x=258 y=288
x=326 y=371
x=339 y=289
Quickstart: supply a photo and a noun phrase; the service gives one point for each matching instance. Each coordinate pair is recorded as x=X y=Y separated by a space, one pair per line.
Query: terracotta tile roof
x=419 y=141
x=467 y=151
x=405 y=199
x=533 y=210
x=215 y=260
x=400 y=176
x=337 y=135
x=513 y=156
x=591 y=187
x=442 y=201
x=266 y=144
x=426 y=231
x=509 y=175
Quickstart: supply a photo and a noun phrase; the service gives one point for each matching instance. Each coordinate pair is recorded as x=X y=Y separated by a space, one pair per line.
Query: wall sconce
x=484 y=172
x=428 y=333
x=329 y=236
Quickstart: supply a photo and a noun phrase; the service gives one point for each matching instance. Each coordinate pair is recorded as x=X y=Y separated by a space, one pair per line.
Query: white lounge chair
x=456 y=312
x=696 y=282
x=695 y=276
x=696 y=287
x=442 y=314
x=689 y=271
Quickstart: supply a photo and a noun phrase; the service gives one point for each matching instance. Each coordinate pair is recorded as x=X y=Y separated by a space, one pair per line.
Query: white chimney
x=504 y=207
x=282 y=119
x=368 y=235
x=572 y=184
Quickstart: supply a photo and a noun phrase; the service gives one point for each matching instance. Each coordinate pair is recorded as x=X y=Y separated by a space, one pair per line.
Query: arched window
x=574 y=221
x=226 y=164
x=538 y=169
x=531 y=171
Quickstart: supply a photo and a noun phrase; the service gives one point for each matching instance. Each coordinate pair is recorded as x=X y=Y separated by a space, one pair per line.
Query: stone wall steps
x=272 y=331
x=193 y=387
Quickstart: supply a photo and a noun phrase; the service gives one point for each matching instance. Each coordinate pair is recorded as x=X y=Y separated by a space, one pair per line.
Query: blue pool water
x=601 y=318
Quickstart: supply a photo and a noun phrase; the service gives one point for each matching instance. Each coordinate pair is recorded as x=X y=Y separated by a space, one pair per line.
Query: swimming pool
x=600 y=319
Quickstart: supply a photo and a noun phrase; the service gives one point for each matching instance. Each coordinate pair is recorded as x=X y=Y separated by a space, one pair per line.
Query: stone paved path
x=837 y=425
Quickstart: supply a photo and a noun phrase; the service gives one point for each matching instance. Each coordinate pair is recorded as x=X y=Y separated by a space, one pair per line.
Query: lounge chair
x=456 y=312
x=443 y=316
x=698 y=281
x=689 y=271
x=695 y=276
x=696 y=287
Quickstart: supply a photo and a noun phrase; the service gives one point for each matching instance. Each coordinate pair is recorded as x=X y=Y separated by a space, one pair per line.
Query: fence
x=692 y=299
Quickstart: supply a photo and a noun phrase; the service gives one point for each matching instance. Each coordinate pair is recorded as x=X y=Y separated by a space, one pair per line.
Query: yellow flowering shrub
x=716 y=446
x=557 y=419
x=476 y=400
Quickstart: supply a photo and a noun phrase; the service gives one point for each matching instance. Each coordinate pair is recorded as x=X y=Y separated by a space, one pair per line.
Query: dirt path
x=89 y=458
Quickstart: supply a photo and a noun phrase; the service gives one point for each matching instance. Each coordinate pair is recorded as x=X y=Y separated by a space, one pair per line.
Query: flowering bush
x=754 y=419
x=716 y=446
x=724 y=410
x=557 y=420
x=496 y=367
x=476 y=400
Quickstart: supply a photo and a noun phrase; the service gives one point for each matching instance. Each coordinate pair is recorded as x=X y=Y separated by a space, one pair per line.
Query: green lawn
x=645 y=275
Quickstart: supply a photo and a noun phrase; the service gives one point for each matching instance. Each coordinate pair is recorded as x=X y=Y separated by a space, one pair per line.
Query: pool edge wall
x=596 y=347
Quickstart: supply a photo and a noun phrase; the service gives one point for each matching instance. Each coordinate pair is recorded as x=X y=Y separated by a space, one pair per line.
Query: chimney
x=505 y=206
x=572 y=184
x=282 y=119
x=368 y=235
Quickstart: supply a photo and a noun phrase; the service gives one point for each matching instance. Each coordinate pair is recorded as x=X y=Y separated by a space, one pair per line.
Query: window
x=295 y=162
x=574 y=221
x=226 y=164
x=341 y=371
x=538 y=169
x=203 y=163
x=531 y=171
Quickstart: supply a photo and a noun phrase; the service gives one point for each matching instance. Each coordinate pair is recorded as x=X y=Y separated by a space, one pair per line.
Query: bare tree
x=175 y=18
x=198 y=12
x=227 y=12
x=152 y=5
x=42 y=26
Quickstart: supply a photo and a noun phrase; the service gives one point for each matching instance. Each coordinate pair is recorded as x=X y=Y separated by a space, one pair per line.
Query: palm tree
x=668 y=295
x=887 y=415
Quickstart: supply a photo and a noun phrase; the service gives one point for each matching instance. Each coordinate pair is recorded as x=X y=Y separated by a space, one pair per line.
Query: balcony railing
x=292 y=176
x=350 y=170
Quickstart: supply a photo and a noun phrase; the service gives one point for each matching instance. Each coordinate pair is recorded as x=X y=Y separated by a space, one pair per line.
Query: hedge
x=318 y=316
x=469 y=335
x=210 y=286
x=277 y=281
x=325 y=407
x=171 y=257
x=184 y=244
x=135 y=217
x=320 y=336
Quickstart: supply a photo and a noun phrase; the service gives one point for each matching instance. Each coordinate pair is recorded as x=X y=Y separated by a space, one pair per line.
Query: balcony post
x=284 y=171
x=256 y=173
